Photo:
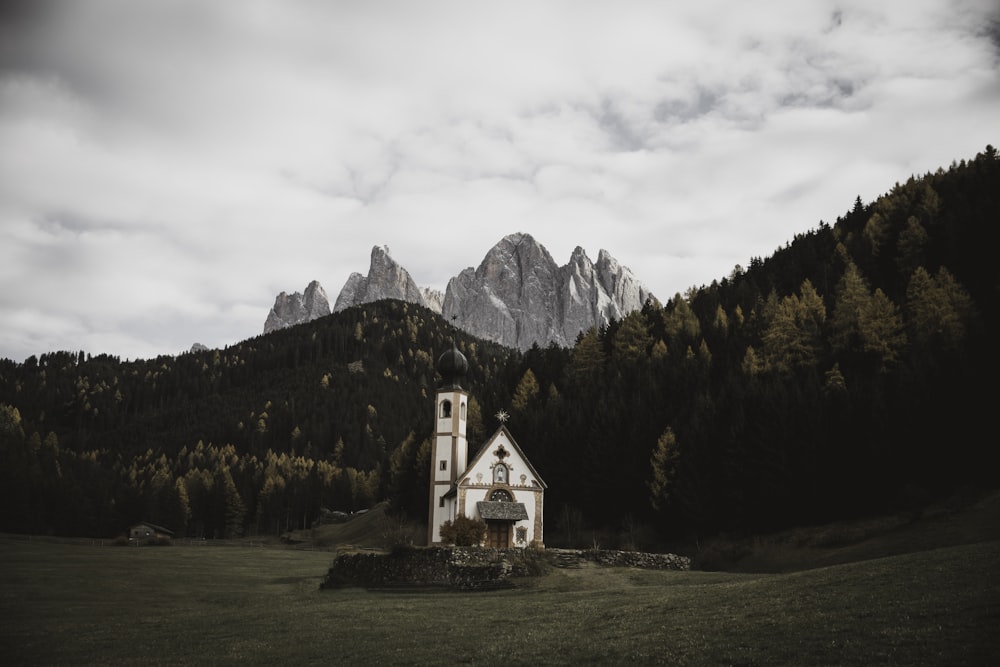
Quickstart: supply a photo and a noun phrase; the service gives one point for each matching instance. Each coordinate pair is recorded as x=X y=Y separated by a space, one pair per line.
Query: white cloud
x=167 y=167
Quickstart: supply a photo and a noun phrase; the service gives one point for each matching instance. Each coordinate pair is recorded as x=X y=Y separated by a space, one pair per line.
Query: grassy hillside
x=82 y=605
x=959 y=521
x=378 y=528
x=934 y=605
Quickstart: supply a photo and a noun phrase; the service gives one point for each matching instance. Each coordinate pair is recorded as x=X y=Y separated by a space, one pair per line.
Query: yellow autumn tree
x=526 y=393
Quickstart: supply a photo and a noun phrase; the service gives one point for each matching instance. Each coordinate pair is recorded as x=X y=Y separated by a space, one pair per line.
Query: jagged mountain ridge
x=518 y=295
x=296 y=308
x=386 y=279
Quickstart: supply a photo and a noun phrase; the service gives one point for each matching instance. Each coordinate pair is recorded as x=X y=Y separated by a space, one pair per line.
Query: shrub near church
x=463 y=531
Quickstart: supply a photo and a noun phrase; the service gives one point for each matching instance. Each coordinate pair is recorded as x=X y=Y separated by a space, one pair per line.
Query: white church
x=498 y=486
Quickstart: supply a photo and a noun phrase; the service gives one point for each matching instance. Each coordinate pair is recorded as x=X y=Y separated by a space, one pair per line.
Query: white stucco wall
x=477 y=483
x=449 y=445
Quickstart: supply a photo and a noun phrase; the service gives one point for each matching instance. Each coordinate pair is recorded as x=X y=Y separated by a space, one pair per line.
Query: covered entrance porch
x=500 y=517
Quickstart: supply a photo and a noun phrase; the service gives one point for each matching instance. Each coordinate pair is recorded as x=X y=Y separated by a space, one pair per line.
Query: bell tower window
x=445 y=409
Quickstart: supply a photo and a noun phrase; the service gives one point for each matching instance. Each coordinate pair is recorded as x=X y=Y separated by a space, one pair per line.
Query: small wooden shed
x=144 y=532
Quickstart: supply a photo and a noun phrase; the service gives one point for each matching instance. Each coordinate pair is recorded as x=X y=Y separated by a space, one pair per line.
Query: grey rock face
x=386 y=279
x=434 y=299
x=292 y=309
x=518 y=296
x=511 y=297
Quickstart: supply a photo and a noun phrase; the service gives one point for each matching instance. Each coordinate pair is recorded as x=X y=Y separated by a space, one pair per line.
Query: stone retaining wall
x=445 y=567
x=638 y=559
x=570 y=558
x=474 y=568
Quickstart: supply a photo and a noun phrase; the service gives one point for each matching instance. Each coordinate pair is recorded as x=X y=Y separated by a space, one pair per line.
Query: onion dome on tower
x=452 y=365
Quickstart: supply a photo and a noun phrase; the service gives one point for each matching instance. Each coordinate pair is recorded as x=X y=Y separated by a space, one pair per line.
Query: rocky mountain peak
x=517 y=295
x=580 y=261
x=386 y=279
x=296 y=308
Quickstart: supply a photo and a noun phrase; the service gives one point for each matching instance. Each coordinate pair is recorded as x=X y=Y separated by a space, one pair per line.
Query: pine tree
x=866 y=324
x=632 y=340
x=881 y=329
x=682 y=325
x=911 y=247
x=526 y=393
x=794 y=336
x=663 y=464
x=939 y=310
x=233 y=508
x=587 y=358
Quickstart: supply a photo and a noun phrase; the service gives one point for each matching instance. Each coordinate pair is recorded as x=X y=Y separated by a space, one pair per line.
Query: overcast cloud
x=167 y=167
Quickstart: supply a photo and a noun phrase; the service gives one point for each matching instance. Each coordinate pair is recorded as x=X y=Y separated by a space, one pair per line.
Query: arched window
x=462 y=415
x=445 y=409
x=501 y=496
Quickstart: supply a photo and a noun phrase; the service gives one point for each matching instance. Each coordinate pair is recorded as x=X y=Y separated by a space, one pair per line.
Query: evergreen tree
x=230 y=504
x=880 y=326
x=663 y=464
x=911 y=246
x=587 y=358
x=866 y=325
x=632 y=340
x=940 y=311
x=794 y=337
x=526 y=393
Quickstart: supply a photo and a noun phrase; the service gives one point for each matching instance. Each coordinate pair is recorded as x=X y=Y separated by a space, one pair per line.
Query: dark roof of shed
x=503 y=511
x=158 y=529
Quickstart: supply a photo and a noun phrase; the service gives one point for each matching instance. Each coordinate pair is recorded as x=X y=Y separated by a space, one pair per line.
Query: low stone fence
x=638 y=559
x=573 y=558
x=443 y=567
x=475 y=568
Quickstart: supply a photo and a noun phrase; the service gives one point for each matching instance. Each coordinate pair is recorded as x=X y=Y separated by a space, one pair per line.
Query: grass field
x=89 y=605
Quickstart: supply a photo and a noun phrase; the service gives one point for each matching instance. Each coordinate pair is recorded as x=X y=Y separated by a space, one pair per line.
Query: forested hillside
x=253 y=438
x=850 y=372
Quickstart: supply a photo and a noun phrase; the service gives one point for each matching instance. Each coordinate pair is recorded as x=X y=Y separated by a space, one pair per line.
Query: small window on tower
x=444 y=464
x=445 y=409
x=463 y=411
x=441 y=501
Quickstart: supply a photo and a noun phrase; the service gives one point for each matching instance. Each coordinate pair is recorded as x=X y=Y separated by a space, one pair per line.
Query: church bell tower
x=450 y=449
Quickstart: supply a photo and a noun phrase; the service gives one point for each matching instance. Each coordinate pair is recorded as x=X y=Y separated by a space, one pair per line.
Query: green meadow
x=83 y=604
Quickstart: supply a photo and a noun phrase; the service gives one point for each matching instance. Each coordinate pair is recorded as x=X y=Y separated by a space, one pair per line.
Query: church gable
x=501 y=461
x=502 y=488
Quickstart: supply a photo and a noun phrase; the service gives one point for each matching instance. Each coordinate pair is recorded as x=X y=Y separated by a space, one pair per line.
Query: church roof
x=503 y=511
x=452 y=365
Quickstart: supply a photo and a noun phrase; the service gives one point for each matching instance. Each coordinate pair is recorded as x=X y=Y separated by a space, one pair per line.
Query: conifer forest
x=850 y=372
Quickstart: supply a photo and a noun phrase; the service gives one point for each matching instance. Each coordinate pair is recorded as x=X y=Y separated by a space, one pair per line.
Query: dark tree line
x=849 y=372
x=260 y=435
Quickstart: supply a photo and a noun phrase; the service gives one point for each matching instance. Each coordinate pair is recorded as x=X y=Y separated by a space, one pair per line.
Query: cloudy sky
x=168 y=166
